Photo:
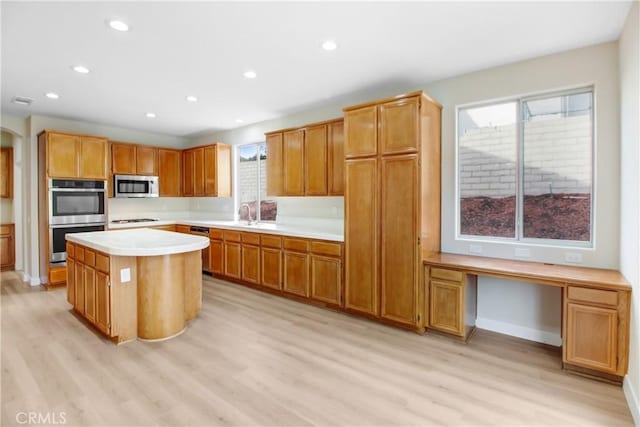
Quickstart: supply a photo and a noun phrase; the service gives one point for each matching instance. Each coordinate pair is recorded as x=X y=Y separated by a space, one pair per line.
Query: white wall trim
x=33 y=281
x=520 y=331
x=632 y=399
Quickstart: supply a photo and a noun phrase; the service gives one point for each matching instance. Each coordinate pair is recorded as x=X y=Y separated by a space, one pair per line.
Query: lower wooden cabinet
x=326 y=279
x=591 y=337
x=232 y=259
x=452 y=301
x=7 y=247
x=296 y=273
x=216 y=252
x=71 y=280
x=79 y=303
x=103 y=302
x=90 y=293
x=251 y=264
x=271 y=267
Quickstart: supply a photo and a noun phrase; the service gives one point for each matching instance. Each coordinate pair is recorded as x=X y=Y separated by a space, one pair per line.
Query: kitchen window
x=252 y=183
x=525 y=169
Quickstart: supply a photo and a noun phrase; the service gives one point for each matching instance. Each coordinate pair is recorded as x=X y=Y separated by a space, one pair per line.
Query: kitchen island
x=142 y=283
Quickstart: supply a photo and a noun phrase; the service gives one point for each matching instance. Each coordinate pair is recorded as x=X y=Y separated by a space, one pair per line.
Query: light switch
x=125 y=275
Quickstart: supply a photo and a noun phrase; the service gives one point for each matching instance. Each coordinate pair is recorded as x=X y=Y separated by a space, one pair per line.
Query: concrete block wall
x=557 y=155
x=247 y=176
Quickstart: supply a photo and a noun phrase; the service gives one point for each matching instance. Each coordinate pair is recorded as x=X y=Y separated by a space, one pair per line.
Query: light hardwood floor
x=252 y=359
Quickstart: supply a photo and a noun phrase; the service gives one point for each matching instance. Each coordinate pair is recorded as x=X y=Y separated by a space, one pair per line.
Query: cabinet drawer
x=251 y=238
x=70 y=253
x=231 y=236
x=79 y=253
x=326 y=248
x=271 y=241
x=102 y=262
x=215 y=233
x=296 y=244
x=90 y=258
x=58 y=275
x=596 y=296
x=441 y=273
x=183 y=229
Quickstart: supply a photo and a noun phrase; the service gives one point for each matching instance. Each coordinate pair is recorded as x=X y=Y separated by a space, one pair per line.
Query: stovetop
x=126 y=221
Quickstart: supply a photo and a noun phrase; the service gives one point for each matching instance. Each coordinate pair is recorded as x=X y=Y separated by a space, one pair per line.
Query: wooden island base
x=128 y=297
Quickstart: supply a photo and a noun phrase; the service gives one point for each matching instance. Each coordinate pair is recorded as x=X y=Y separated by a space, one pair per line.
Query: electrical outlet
x=475 y=249
x=523 y=253
x=573 y=257
x=125 y=275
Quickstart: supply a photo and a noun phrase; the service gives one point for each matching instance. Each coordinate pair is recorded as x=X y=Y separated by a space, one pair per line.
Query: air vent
x=22 y=100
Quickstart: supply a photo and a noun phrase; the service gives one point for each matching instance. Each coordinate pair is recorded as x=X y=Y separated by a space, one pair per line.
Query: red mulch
x=548 y=216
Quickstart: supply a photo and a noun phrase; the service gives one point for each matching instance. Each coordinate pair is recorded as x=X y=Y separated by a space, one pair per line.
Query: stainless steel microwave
x=135 y=186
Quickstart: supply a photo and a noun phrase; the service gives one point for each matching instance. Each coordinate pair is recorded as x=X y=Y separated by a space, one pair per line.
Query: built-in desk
x=595 y=309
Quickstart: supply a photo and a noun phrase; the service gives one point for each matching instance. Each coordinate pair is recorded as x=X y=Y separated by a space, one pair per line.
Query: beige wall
x=629 y=48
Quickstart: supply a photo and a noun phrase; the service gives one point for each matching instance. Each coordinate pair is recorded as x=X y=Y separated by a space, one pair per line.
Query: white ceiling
x=176 y=49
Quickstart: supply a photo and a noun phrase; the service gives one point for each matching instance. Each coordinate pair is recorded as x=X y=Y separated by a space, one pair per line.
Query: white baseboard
x=33 y=281
x=536 y=335
x=632 y=399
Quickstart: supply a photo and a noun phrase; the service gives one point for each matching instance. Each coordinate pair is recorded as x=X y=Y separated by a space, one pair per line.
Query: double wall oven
x=75 y=206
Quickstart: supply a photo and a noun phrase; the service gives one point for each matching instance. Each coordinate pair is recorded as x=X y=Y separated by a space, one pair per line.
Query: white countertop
x=139 y=242
x=270 y=228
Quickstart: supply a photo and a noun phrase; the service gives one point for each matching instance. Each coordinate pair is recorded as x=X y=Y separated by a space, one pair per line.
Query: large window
x=525 y=169
x=252 y=183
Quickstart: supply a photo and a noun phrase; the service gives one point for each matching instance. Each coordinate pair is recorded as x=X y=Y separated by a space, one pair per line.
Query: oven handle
x=84 y=224
x=76 y=190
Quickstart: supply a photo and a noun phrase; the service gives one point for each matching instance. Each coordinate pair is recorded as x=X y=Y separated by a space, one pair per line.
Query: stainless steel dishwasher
x=203 y=231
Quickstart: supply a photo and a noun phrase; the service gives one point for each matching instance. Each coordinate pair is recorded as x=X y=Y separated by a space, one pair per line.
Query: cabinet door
x=591 y=337
x=361 y=132
x=210 y=171
x=271 y=268
x=251 y=264
x=216 y=251
x=188 y=164
x=361 y=235
x=6 y=172
x=232 y=265
x=445 y=311
x=103 y=303
x=71 y=281
x=315 y=161
x=399 y=251
x=198 y=172
x=169 y=172
x=7 y=252
x=296 y=273
x=79 y=276
x=275 y=165
x=63 y=154
x=326 y=279
x=123 y=159
x=93 y=158
x=336 y=159
x=223 y=170
x=400 y=126
x=146 y=160
x=90 y=293
x=294 y=163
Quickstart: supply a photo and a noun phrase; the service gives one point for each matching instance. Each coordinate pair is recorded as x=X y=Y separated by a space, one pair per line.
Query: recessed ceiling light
x=118 y=25
x=52 y=95
x=192 y=98
x=151 y=115
x=80 y=69
x=250 y=74
x=239 y=121
x=329 y=45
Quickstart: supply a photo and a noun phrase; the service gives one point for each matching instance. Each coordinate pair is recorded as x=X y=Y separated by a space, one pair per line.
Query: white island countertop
x=139 y=242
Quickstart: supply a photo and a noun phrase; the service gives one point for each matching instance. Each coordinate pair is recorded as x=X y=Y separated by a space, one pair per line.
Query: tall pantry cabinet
x=392 y=205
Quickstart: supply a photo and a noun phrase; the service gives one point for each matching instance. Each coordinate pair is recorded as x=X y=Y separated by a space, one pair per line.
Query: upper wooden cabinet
x=170 y=172
x=206 y=171
x=6 y=172
x=306 y=161
x=130 y=159
x=392 y=204
x=293 y=154
x=74 y=156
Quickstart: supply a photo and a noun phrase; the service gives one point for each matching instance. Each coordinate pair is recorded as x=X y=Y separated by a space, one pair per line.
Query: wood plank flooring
x=253 y=359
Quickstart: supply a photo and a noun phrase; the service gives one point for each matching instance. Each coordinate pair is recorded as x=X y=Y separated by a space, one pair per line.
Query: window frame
x=519 y=238
x=236 y=195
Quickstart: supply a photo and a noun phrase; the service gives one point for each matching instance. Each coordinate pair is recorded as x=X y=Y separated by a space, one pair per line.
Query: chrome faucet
x=249 y=220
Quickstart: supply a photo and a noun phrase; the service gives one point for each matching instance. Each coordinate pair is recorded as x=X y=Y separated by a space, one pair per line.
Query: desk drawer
x=596 y=296
x=441 y=273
